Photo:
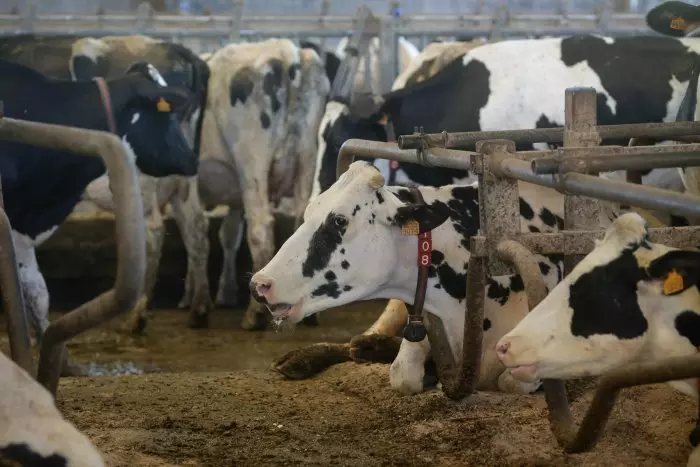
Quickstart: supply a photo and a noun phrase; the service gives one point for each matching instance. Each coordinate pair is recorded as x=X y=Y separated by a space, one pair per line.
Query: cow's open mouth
x=283 y=311
x=525 y=373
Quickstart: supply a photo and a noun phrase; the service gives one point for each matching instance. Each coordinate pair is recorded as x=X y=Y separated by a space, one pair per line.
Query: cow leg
x=508 y=384
x=193 y=225
x=260 y=236
x=231 y=237
x=407 y=372
x=137 y=319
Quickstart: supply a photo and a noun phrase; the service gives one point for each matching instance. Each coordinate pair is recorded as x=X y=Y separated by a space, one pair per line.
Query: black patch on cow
x=679 y=221
x=688 y=325
x=437 y=257
x=645 y=99
x=329 y=289
x=548 y=217
x=241 y=86
x=323 y=243
x=347 y=288
x=272 y=82
x=544 y=268
x=516 y=283
x=380 y=198
x=404 y=195
x=604 y=300
x=544 y=122
x=344 y=264
x=342 y=251
x=487 y=324
x=438 y=286
x=497 y=292
x=264 y=120
x=454 y=283
x=526 y=210
x=293 y=70
x=372 y=219
x=22 y=454
x=84 y=68
x=356 y=209
x=422 y=73
x=533 y=229
x=330 y=276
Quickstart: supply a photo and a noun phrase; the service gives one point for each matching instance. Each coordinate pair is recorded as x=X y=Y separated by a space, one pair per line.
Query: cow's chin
x=284 y=312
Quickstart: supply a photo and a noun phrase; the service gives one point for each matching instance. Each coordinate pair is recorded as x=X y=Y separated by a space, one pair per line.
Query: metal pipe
x=13 y=300
x=459 y=378
x=665 y=130
x=131 y=257
x=625 y=158
x=377 y=149
x=580 y=439
x=610 y=190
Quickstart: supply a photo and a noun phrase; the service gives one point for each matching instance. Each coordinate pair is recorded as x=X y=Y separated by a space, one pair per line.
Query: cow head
x=146 y=120
x=627 y=300
x=348 y=248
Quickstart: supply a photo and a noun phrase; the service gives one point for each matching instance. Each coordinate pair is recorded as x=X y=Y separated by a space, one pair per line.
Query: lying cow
x=352 y=248
x=68 y=57
x=42 y=186
x=629 y=300
x=265 y=101
x=32 y=430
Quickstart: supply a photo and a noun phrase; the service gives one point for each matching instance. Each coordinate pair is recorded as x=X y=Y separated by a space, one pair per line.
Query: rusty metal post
x=131 y=265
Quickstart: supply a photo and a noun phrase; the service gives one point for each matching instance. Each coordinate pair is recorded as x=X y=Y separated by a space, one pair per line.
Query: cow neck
x=107 y=103
x=415 y=329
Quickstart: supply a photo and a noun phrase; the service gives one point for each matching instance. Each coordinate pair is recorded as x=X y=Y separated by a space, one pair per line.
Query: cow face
x=629 y=299
x=148 y=123
x=347 y=249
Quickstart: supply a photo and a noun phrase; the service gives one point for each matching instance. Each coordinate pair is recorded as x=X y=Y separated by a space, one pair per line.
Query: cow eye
x=340 y=221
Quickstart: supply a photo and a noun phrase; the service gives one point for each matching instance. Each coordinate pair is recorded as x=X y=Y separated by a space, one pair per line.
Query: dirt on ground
x=209 y=398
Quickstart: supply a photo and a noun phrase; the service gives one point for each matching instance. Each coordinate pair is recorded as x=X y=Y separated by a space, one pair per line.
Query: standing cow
x=265 y=101
x=67 y=57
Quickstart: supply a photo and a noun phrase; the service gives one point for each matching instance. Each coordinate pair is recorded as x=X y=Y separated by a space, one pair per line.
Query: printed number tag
x=425 y=249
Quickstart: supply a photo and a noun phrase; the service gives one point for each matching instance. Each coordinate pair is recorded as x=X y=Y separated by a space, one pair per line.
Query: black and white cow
x=34 y=433
x=42 y=186
x=495 y=87
x=351 y=247
x=84 y=58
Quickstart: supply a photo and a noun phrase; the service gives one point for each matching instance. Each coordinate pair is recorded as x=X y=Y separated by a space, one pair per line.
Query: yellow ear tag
x=163 y=105
x=410 y=228
x=678 y=23
x=384 y=120
x=673 y=283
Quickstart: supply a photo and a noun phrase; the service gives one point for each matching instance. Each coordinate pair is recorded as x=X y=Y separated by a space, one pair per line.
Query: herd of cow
x=250 y=126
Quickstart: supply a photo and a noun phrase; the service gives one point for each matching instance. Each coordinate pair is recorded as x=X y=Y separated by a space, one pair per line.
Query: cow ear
x=679 y=270
x=416 y=219
x=83 y=68
x=673 y=18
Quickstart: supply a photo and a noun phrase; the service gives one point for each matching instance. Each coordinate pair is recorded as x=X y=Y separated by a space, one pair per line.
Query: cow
x=42 y=186
x=265 y=101
x=629 y=300
x=69 y=57
x=351 y=247
x=33 y=431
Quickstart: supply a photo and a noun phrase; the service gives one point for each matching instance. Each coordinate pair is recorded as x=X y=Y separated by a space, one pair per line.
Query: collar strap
x=107 y=103
x=415 y=329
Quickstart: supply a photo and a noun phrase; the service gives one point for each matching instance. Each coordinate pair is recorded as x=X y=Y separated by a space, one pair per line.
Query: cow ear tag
x=163 y=105
x=678 y=23
x=411 y=227
x=673 y=283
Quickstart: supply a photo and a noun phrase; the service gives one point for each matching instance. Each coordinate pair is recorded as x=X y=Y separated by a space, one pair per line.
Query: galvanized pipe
x=580 y=439
x=378 y=149
x=609 y=190
x=131 y=263
x=658 y=131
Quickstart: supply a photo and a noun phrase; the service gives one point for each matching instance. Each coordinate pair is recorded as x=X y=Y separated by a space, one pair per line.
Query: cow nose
x=502 y=348
x=260 y=289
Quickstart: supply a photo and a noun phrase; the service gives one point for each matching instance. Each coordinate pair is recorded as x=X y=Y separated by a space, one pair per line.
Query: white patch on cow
x=510 y=75
x=28 y=415
x=156 y=76
x=333 y=111
x=26 y=242
x=128 y=150
x=135 y=118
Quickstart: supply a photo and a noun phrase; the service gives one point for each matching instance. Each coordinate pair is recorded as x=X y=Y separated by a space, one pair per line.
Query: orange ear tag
x=410 y=228
x=678 y=23
x=673 y=283
x=163 y=105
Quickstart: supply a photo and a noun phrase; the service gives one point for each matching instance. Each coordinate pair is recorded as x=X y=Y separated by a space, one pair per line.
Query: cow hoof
x=377 y=348
x=198 y=321
x=310 y=360
x=310 y=320
x=184 y=303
